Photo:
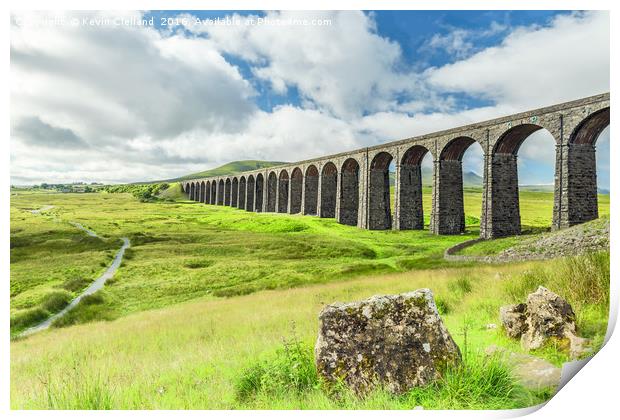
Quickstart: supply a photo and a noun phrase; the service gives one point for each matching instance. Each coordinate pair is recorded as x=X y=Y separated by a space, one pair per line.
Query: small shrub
x=290 y=370
x=517 y=288
x=198 y=263
x=94 y=299
x=462 y=285
x=443 y=306
x=28 y=318
x=56 y=301
x=93 y=307
x=76 y=283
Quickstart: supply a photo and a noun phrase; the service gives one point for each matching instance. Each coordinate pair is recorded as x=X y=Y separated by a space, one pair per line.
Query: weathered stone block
x=545 y=316
x=396 y=341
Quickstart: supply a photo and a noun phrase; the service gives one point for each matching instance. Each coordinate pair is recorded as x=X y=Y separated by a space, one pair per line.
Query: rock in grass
x=545 y=316
x=396 y=341
x=513 y=319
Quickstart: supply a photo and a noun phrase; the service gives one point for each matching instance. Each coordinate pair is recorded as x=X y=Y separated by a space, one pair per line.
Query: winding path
x=92 y=288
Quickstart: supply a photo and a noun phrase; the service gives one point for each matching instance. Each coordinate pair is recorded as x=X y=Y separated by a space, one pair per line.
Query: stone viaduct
x=353 y=187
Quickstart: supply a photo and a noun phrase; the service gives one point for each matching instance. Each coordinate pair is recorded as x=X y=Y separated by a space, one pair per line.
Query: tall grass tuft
x=290 y=370
x=581 y=280
x=78 y=392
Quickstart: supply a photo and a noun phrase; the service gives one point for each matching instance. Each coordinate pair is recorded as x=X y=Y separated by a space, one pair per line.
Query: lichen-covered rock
x=513 y=319
x=549 y=316
x=396 y=341
x=545 y=316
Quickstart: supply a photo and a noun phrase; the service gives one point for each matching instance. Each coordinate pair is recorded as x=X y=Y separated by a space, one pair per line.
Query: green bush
x=76 y=283
x=290 y=370
x=443 y=306
x=56 y=301
x=27 y=318
x=462 y=285
x=480 y=381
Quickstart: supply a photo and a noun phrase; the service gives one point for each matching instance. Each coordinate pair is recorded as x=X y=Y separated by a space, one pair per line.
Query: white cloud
x=536 y=66
x=151 y=105
x=345 y=68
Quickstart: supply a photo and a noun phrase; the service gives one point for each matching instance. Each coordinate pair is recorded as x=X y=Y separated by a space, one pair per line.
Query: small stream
x=92 y=288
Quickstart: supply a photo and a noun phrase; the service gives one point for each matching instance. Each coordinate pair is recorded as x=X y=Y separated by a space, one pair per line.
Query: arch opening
x=192 y=192
x=220 y=192
x=227 y=189
x=258 y=196
x=283 y=184
x=511 y=199
x=234 y=192
x=379 y=209
x=449 y=201
x=272 y=191
x=411 y=202
x=311 y=190
x=349 y=192
x=250 y=195
x=214 y=192
x=242 y=193
x=581 y=177
x=208 y=192
x=329 y=186
x=297 y=181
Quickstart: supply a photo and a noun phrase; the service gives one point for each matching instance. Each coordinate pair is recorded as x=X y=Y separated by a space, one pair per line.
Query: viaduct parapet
x=354 y=187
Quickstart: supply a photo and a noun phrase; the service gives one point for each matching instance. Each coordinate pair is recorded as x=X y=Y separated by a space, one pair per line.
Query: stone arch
x=260 y=193
x=379 y=212
x=234 y=192
x=272 y=191
x=227 y=192
x=208 y=192
x=251 y=194
x=588 y=130
x=578 y=174
x=448 y=215
x=283 y=183
x=503 y=213
x=311 y=190
x=297 y=184
x=242 y=193
x=411 y=212
x=220 y=192
x=349 y=192
x=329 y=185
x=510 y=141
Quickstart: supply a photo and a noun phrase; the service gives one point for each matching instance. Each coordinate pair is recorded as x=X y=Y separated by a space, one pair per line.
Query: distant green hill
x=230 y=168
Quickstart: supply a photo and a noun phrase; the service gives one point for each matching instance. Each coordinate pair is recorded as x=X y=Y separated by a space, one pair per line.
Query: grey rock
x=397 y=341
x=551 y=316
x=513 y=319
x=545 y=316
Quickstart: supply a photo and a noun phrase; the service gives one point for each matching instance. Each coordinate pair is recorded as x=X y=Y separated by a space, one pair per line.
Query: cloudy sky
x=99 y=97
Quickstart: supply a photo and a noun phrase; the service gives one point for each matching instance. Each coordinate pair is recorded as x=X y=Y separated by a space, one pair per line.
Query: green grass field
x=207 y=295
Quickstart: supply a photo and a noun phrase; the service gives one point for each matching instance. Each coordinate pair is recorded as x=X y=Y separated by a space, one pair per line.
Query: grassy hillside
x=215 y=307
x=204 y=354
x=185 y=250
x=231 y=168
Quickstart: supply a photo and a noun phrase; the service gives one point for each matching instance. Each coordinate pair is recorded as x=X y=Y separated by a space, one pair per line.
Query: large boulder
x=544 y=316
x=396 y=341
